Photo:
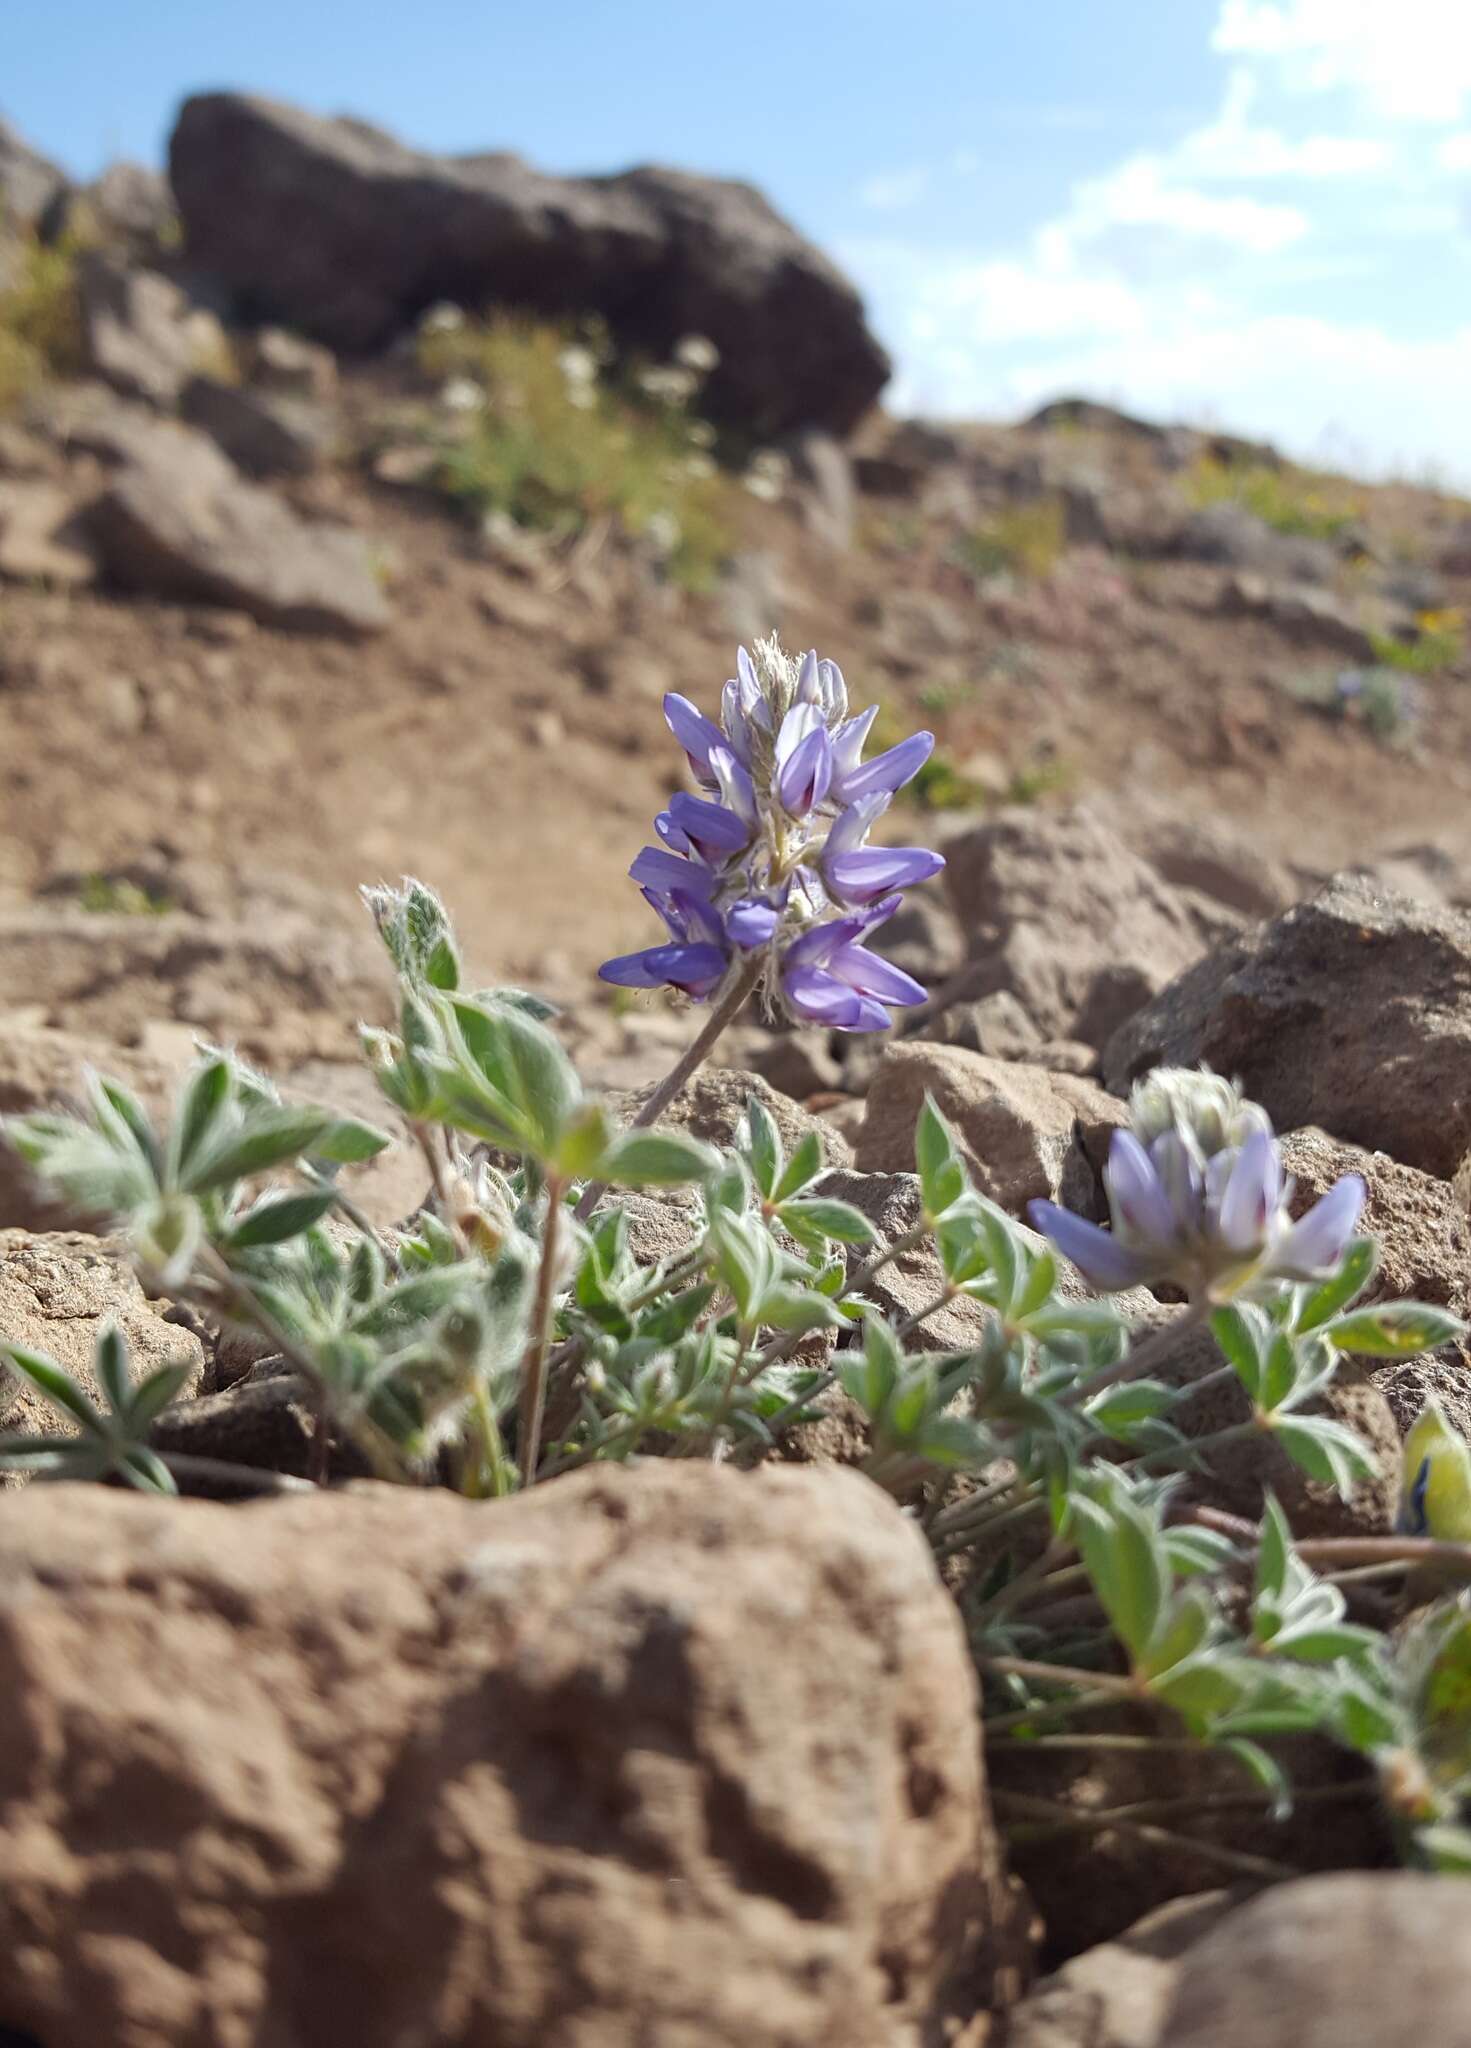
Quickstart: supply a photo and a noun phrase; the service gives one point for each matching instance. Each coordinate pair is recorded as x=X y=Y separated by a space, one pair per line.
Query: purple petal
x=695 y=732
x=1180 y=1175
x=669 y=832
x=1251 y=1194
x=888 y=771
x=746 y=670
x=1103 y=1262
x=807 y=771
x=872 y=975
x=852 y=826
x=822 y=1000
x=848 y=742
x=799 y=724
x=737 y=791
x=834 y=695
x=1136 y=1198
x=751 y=923
x=1317 y=1242
x=809 y=690
x=696 y=969
x=658 y=869
x=873 y=871
x=712 y=828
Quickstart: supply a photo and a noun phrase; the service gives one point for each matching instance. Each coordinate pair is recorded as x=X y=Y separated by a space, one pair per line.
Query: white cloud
x=1409 y=59
x=890 y=191
x=1141 y=193
x=1230 y=147
x=1454 y=153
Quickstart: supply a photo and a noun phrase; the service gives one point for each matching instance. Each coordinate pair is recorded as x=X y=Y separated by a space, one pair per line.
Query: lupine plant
x=511 y=1330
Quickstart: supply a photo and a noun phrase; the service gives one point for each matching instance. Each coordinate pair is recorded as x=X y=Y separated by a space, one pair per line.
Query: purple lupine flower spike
x=771 y=860
x=1198 y=1198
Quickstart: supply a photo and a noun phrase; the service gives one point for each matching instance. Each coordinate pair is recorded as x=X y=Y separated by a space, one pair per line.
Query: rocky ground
x=558 y=1759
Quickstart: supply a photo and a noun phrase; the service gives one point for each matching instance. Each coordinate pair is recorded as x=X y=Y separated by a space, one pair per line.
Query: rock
x=283 y=362
x=403 y=1767
x=752 y=593
x=1215 y=860
x=43 y=537
x=131 y=203
x=923 y=937
x=829 y=498
x=997 y=1025
x=1114 y=1996
x=281 y=986
x=798 y=1063
x=88 y=419
x=1359 y=1956
x=29 y=183
x=235 y=544
x=713 y=1106
x=266 y=433
x=139 y=332
x=1313 y=618
x=1227 y=533
x=1352 y=1011
x=1095 y=417
x=56 y=1293
x=893 y=1205
x=1021 y=1129
x=265 y=1423
x=337 y=229
x=1420 y=1225
x=1446 y=1376
x=1059 y=912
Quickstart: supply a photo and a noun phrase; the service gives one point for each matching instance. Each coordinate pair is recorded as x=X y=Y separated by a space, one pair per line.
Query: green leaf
x=56 y=1384
x=1184 y=1628
x=1325 y=1645
x=272 y=1135
x=1197 y=1551
x=1325 y=1450
x=1240 y=1332
x=1445 y=1846
x=788 y=1308
x=646 y=1159
x=1394 y=1329
x=1127 y=1564
x=1122 y=1407
x=583 y=1144
x=674 y=1318
x=207 y=1094
x=149 y=1400
x=763 y=1146
x=273 y=1222
x=129 y=1116
x=745 y=1259
x=1036 y=1288
x=346 y=1142
x=1279 y=1373
x=912 y=1405
x=1275 y=1551
x=954 y=1443
x=1366 y=1722
x=518 y=1072
x=110 y=1364
x=1267 y=1772
x=804 y=1165
x=146 y=1470
x=1200 y=1690
x=1360 y=1263
x=839 y=1221
x=937 y=1157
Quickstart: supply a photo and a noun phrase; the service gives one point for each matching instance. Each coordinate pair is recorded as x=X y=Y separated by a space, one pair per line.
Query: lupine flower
x=771 y=857
x=1197 y=1196
x=1436 y=1497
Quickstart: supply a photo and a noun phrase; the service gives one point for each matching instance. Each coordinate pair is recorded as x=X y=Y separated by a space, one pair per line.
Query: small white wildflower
x=445 y=318
x=461 y=394
x=578 y=365
x=698 y=353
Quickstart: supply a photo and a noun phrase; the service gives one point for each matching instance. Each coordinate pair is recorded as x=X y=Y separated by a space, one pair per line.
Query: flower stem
x=534 y=1370
x=738 y=993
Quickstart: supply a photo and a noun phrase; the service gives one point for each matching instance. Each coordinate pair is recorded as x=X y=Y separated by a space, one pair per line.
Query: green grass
x=110 y=896
x=1024 y=540
x=559 y=452
x=1289 y=500
x=1439 y=643
x=40 y=332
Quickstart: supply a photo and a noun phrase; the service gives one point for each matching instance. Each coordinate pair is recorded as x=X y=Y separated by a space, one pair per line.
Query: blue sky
x=1252 y=211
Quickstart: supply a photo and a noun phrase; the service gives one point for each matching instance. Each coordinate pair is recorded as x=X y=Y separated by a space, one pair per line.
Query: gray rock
x=1351 y=1011
x=1313 y=618
x=30 y=183
x=285 y=362
x=43 y=537
x=339 y=230
x=1227 y=533
x=1062 y=914
x=267 y=433
x=829 y=496
x=1371 y=1957
x=139 y=331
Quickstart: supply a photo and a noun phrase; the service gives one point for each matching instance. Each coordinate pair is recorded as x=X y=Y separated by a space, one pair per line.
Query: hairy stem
x=534 y=1368
x=737 y=994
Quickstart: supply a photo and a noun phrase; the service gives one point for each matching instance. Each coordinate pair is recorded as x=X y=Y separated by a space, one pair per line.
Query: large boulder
x=1352 y=1012
x=1377 y=1957
x=30 y=184
x=394 y=1767
x=1061 y=913
x=340 y=231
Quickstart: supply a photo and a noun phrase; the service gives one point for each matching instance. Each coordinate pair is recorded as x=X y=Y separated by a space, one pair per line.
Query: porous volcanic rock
x=392 y=1767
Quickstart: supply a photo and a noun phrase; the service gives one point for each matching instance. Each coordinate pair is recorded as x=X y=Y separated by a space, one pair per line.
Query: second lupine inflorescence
x=766 y=876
